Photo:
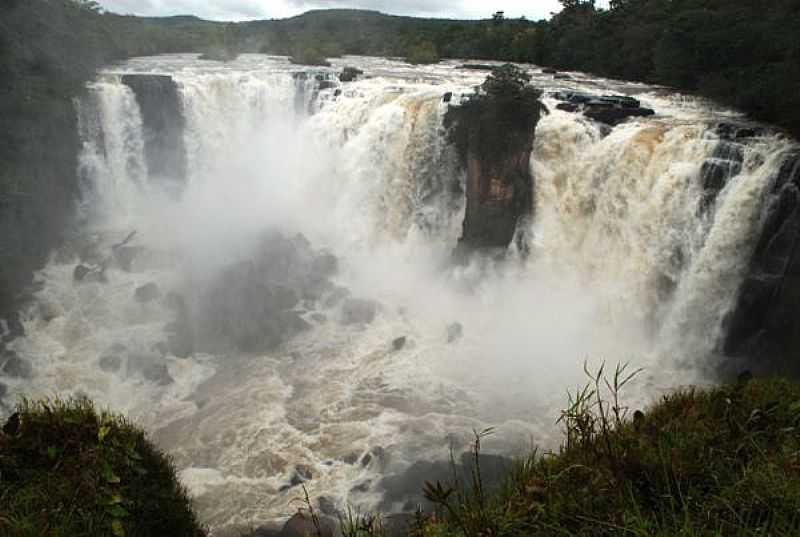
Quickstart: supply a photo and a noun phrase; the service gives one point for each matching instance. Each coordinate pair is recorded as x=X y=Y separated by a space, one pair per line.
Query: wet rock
x=264 y=531
x=327 y=506
x=358 y=311
x=336 y=296
x=147 y=293
x=477 y=66
x=733 y=131
x=324 y=265
x=302 y=525
x=398 y=524
x=13 y=366
x=377 y=456
x=349 y=74
x=3 y=390
x=549 y=71
x=454 y=332
x=49 y=311
x=350 y=458
x=607 y=109
x=13 y=327
x=763 y=332
x=399 y=343
x=158 y=374
x=561 y=76
x=362 y=487
x=80 y=273
x=176 y=302
x=124 y=256
x=327 y=84
x=447 y=97
x=150 y=367
x=613 y=116
x=111 y=363
x=568 y=107
x=319 y=318
x=404 y=489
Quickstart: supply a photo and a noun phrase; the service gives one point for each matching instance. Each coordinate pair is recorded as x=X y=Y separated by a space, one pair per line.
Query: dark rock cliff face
x=163 y=123
x=499 y=193
x=493 y=131
x=764 y=329
x=37 y=191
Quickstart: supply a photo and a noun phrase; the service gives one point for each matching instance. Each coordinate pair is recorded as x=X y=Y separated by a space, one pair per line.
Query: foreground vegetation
x=724 y=462
x=69 y=471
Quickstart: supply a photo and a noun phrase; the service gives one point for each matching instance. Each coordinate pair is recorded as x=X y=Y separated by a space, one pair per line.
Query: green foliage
x=310 y=55
x=422 y=53
x=68 y=470
x=499 y=119
x=724 y=462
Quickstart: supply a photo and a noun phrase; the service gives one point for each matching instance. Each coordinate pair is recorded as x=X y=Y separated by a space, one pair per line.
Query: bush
x=724 y=462
x=499 y=118
x=68 y=471
x=309 y=56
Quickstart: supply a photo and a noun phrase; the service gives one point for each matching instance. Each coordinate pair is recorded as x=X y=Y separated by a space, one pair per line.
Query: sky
x=268 y=9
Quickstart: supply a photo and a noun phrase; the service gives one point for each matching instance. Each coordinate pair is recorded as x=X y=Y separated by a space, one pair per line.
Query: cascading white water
x=625 y=266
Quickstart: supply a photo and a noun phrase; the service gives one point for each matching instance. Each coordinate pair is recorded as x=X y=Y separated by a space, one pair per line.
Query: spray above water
x=287 y=311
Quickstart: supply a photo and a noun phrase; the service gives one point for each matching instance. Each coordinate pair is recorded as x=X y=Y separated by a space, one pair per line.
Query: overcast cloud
x=267 y=9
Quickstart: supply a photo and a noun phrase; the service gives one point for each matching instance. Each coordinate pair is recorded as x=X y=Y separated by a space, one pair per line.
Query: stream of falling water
x=626 y=266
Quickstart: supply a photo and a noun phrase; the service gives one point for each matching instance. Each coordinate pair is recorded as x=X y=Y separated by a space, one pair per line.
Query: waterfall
x=639 y=243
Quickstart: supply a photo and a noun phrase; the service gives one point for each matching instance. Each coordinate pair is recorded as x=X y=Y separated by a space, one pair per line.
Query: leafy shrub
x=499 y=118
x=70 y=471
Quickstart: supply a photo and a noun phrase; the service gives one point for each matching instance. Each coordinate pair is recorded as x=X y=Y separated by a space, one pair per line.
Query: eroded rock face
x=499 y=193
x=764 y=330
x=163 y=122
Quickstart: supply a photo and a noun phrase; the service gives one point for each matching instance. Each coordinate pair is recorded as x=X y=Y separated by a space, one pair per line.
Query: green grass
x=724 y=462
x=68 y=471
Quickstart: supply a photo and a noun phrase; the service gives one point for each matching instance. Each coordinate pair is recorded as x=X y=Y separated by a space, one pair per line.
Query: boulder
x=613 y=115
x=399 y=343
x=349 y=74
x=454 y=332
x=110 y=363
x=358 y=311
x=326 y=84
x=447 y=97
x=336 y=297
x=549 y=71
x=150 y=367
x=124 y=256
x=327 y=506
x=147 y=293
x=80 y=273
x=13 y=327
x=607 y=109
x=561 y=76
x=13 y=366
x=303 y=525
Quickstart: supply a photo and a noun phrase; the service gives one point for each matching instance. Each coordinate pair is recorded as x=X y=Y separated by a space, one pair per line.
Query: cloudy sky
x=266 y=9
